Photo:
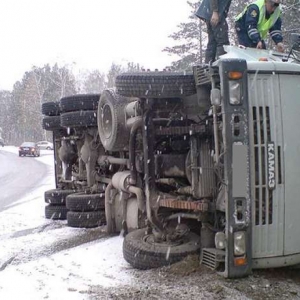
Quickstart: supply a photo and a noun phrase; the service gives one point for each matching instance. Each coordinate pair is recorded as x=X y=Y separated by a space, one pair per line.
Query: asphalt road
x=18 y=176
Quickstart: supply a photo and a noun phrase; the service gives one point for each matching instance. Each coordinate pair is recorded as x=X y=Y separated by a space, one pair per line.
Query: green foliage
x=23 y=104
x=189 y=40
x=6 y=115
x=290 y=18
x=93 y=82
x=133 y=67
x=20 y=115
x=114 y=71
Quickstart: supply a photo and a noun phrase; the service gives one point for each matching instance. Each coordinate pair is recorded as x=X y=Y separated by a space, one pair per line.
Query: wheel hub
x=106 y=121
x=152 y=240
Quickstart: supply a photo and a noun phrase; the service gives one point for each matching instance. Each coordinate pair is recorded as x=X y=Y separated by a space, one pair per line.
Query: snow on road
x=33 y=262
x=31 y=213
x=43 y=259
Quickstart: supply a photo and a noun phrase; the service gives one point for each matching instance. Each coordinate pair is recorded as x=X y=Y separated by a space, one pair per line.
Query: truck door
x=290 y=101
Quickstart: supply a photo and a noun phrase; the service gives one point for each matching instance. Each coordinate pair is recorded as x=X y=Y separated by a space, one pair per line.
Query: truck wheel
x=142 y=252
x=55 y=212
x=57 y=196
x=113 y=132
x=79 y=102
x=86 y=219
x=83 y=118
x=50 y=109
x=85 y=202
x=155 y=85
x=62 y=132
x=51 y=123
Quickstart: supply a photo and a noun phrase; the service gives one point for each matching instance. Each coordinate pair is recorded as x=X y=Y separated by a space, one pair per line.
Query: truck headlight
x=239 y=239
x=220 y=240
x=234 y=92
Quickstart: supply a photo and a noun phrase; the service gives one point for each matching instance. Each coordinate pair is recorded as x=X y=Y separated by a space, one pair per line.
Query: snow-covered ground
x=43 y=259
x=31 y=265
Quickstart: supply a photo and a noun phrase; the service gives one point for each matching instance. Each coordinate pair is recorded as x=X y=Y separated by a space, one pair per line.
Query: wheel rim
x=106 y=121
x=149 y=239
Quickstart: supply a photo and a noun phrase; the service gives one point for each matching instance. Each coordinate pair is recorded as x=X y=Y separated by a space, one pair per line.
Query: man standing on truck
x=214 y=14
x=256 y=20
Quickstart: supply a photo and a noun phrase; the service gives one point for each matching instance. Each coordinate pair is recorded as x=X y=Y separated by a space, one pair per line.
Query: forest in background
x=20 y=109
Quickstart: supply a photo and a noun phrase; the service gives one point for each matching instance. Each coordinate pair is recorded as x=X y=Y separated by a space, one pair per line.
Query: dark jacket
x=248 y=23
x=207 y=7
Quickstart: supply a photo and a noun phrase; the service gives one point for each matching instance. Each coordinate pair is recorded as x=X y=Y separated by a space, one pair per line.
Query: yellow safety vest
x=263 y=25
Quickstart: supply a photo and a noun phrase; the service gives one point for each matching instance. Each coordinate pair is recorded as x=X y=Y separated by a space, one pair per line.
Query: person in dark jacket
x=214 y=14
x=256 y=21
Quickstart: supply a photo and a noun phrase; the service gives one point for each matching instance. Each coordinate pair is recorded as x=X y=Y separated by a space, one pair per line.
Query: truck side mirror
x=295 y=41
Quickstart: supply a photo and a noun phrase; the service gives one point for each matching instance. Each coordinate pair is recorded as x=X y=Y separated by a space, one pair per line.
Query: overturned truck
x=204 y=163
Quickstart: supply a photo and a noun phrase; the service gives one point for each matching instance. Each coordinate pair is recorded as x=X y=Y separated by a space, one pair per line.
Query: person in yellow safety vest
x=256 y=21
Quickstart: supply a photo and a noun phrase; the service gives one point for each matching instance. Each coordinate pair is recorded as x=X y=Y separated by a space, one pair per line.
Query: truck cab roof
x=262 y=60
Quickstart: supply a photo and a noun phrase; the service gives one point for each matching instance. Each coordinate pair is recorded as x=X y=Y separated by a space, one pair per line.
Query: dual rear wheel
x=80 y=209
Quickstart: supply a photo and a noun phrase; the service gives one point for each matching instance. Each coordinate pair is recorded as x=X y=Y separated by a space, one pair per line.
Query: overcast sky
x=90 y=33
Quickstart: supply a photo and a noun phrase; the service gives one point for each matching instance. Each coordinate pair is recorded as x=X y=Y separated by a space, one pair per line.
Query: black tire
x=62 y=132
x=86 y=219
x=51 y=123
x=56 y=212
x=112 y=129
x=141 y=253
x=155 y=85
x=57 y=196
x=85 y=202
x=79 y=102
x=79 y=119
x=50 y=108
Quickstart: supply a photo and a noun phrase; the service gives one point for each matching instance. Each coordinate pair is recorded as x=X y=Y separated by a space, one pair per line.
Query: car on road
x=45 y=145
x=29 y=148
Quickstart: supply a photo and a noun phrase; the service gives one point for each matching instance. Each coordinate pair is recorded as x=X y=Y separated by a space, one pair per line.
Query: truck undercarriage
x=179 y=163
